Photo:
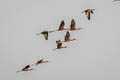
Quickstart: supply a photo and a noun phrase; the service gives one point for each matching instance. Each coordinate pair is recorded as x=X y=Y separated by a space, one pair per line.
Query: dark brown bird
x=61 y=27
x=26 y=68
x=45 y=34
x=40 y=62
x=59 y=45
x=72 y=26
x=88 y=13
x=67 y=37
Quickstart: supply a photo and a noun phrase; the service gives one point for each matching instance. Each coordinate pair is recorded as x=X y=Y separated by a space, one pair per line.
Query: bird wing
x=28 y=66
x=45 y=36
x=92 y=11
x=72 y=24
x=88 y=15
x=62 y=24
x=67 y=34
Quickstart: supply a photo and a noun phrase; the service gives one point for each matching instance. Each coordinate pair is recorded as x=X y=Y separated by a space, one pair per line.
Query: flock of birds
x=67 y=38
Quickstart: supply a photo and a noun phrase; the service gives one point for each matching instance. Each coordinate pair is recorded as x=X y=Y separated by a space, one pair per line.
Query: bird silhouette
x=26 y=68
x=62 y=25
x=59 y=45
x=45 y=34
x=67 y=37
x=88 y=13
x=72 y=26
x=40 y=62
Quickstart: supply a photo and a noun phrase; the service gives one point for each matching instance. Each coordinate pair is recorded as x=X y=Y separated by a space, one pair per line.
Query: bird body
x=72 y=26
x=26 y=68
x=67 y=37
x=59 y=45
x=88 y=13
x=40 y=62
x=62 y=25
x=45 y=34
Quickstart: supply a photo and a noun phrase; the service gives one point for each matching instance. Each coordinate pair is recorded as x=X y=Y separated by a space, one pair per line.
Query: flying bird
x=88 y=13
x=61 y=27
x=26 y=68
x=67 y=37
x=115 y=0
x=72 y=26
x=59 y=45
x=45 y=34
x=40 y=62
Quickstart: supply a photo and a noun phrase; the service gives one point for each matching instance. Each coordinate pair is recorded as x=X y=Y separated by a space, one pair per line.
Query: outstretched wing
x=62 y=24
x=72 y=24
x=28 y=66
x=67 y=34
x=45 y=35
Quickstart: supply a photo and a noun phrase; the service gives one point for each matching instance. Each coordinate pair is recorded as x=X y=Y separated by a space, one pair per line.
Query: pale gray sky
x=95 y=55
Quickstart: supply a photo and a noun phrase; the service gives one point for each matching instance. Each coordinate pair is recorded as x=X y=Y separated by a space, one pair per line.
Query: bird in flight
x=61 y=27
x=88 y=13
x=59 y=45
x=67 y=37
x=40 y=62
x=115 y=0
x=26 y=68
x=72 y=26
x=45 y=34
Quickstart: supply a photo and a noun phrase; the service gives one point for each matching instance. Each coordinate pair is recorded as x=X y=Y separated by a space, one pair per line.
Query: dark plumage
x=67 y=37
x=88 y=13
x=40 y=62
x=45 y=34
x=26 y=68
x=59 y=44
x=72 y=26
x=62 y=24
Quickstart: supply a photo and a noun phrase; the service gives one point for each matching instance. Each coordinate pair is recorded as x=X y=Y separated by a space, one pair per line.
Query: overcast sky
x=95 y=55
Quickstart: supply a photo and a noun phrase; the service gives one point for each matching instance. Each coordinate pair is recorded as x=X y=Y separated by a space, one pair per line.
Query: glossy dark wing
x=72 y=24
x=28 y=66
x=62 y=24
